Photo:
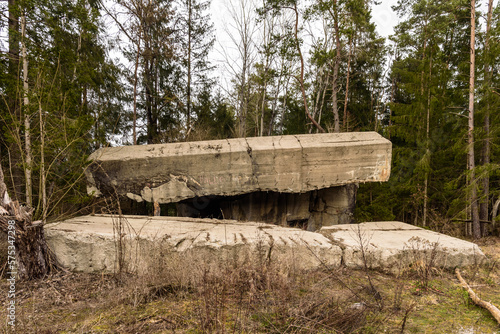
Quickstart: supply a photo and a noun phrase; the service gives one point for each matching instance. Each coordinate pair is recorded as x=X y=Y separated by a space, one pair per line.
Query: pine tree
x=428 y=105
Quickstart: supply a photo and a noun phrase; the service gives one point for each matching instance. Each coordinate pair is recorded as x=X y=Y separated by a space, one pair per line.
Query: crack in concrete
x=274 y=165
x=230 y=154
x=255 y=166
x=338 y=243
x=302 y=160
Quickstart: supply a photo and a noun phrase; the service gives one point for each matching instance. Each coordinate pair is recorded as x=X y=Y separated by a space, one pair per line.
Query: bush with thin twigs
x=191 y=293
x=246 y=294
x=421 y=261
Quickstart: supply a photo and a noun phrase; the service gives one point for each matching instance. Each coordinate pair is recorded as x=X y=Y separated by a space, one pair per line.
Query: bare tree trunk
x=346 y=97
x=476 y=225
x=27 y=124
x=320 y=95
x=485 y=180
x=285 y=102
x=43 y=179
x=264 y=85
x=422 y=77
x=14 y=103
x=243 y=101
x=427 y=144
x=336 y=69
x=301 y=78
x=149 y=88
x=134 y=125
x=241 y=32
x=323 y=98
x=13 y=56
x=275 y=102
x=263 y=108
x=189 y=51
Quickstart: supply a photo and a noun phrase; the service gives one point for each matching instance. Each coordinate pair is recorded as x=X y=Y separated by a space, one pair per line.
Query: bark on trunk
x=485 y=181
x=43 y=178
x=33 y=257
x=336 y=71
x=243 y=102
x=427 y=144
x=134 y=124
x=346 y=97
x=301 y=78
x=476 y=225
x=188 y=88
x=27 y=122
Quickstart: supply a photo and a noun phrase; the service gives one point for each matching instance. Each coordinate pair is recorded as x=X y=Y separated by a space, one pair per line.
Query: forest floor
x=259 y=298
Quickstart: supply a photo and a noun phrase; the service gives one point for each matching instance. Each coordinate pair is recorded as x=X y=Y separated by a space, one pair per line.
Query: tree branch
x=479 y=302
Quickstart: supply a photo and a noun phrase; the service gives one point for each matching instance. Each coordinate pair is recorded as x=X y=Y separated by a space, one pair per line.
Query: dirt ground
x=258 y=298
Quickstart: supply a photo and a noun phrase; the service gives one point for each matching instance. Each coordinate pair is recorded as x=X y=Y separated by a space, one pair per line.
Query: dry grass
x=184 y=294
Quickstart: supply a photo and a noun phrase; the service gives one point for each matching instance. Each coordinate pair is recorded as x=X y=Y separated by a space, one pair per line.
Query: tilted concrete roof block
x=166 y=173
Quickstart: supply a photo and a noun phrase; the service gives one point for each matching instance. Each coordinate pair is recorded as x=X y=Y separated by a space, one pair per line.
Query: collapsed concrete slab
x=319 y=165
x=394 y=246
x=89 y=244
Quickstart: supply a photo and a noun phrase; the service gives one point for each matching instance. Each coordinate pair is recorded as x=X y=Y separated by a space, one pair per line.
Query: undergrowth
x=188 y=295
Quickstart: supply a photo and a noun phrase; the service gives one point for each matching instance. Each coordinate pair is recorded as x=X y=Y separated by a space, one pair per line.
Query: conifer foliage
x=79 y=75
x=434 y=84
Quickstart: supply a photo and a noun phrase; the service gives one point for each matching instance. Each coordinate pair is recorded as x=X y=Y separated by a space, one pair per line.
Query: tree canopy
x=80 y=75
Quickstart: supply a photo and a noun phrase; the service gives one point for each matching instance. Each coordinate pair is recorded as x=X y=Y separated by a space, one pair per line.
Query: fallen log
x=479 y=302
x=28 y=254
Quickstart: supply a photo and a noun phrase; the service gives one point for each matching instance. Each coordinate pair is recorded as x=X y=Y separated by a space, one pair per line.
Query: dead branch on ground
x=479 y=302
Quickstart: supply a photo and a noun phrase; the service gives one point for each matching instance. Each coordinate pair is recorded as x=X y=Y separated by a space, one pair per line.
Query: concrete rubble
x=88 y=243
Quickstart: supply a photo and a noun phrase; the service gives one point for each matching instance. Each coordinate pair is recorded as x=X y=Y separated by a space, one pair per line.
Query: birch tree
x=241 y=31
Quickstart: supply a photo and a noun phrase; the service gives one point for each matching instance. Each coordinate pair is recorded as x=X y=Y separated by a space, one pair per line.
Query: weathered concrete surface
x=393 y=246
x=167 y=173
x=88 y=244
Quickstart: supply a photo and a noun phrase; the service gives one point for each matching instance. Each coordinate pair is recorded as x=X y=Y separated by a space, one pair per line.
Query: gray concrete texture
x=393 y=246
x=88 y=244
x=168 y=173
x=310 y=210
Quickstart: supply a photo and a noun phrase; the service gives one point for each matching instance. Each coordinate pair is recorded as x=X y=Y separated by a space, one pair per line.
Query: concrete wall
x=307 y=180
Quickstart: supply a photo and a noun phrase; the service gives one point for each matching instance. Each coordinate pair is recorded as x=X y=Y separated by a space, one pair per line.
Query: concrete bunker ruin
x=256 y=184
x=308 y=181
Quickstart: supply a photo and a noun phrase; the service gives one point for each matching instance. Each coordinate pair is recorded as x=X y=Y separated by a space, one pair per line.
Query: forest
x=84 y=74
